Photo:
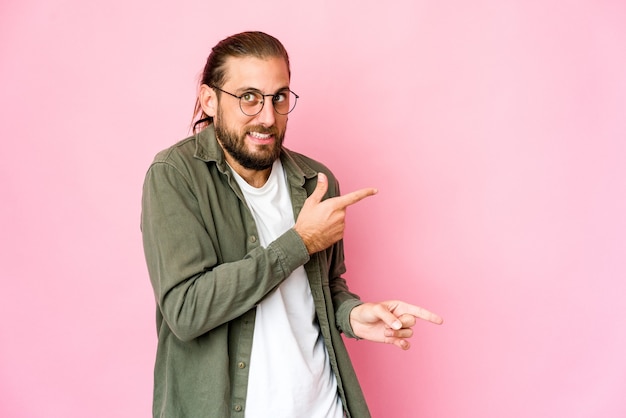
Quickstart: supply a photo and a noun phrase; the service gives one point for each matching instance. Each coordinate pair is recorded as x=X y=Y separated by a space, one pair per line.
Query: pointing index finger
x=355 y=196
x=426 y=315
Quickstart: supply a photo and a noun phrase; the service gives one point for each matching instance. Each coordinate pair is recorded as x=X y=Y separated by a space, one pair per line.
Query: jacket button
x=238 y=408
x=241 y=365
x=252 y=238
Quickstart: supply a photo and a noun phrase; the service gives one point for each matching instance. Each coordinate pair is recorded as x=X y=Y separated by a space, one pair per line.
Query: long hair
x=245 y=44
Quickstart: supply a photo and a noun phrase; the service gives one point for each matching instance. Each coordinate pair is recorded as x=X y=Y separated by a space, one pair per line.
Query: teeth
x=260 y=135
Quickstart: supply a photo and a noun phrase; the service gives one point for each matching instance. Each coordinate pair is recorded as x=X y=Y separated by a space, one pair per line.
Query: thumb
x=390 y=319
x=320 y=188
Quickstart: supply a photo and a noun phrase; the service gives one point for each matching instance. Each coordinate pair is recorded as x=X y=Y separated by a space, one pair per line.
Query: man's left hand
x=389 y=322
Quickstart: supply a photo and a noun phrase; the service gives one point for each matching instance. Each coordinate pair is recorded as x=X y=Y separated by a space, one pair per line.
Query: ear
x=208 y=100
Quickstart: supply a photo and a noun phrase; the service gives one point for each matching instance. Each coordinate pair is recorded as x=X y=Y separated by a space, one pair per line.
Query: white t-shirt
x=290 y=374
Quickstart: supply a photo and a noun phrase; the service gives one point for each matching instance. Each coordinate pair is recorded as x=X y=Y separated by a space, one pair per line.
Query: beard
x=235 y=144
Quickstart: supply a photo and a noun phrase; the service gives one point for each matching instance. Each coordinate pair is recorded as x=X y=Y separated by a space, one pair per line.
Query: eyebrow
x=246 y=89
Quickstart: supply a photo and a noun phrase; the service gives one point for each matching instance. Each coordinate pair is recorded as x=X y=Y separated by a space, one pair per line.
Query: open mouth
x=261 y=138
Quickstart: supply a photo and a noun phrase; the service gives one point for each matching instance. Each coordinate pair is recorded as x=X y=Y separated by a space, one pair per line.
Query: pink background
x=495 y=131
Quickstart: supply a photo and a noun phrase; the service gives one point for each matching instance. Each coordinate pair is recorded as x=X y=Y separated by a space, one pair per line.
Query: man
x=243 y=241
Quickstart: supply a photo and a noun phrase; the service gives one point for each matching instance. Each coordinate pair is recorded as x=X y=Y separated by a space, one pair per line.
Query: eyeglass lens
x=252 y=102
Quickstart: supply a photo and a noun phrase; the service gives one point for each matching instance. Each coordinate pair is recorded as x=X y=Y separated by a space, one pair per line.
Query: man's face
x=252 y=141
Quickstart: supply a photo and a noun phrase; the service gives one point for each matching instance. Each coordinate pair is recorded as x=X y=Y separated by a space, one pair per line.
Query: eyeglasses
x=251 y=102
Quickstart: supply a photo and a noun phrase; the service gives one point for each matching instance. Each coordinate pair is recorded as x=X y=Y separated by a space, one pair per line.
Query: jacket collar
x=207 y=147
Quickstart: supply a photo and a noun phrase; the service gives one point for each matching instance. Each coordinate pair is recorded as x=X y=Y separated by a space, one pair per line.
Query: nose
x=267 y=116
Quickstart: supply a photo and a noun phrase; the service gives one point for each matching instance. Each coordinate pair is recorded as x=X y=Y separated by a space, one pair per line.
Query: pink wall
x=495 y=131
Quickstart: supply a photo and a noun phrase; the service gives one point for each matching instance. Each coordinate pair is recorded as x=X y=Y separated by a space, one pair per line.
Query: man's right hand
x=322 y=223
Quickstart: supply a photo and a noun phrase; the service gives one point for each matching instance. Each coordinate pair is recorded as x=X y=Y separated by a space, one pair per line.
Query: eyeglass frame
x=262 y=101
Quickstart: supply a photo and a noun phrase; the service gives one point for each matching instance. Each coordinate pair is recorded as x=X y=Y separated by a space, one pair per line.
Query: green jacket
x=209 y=271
